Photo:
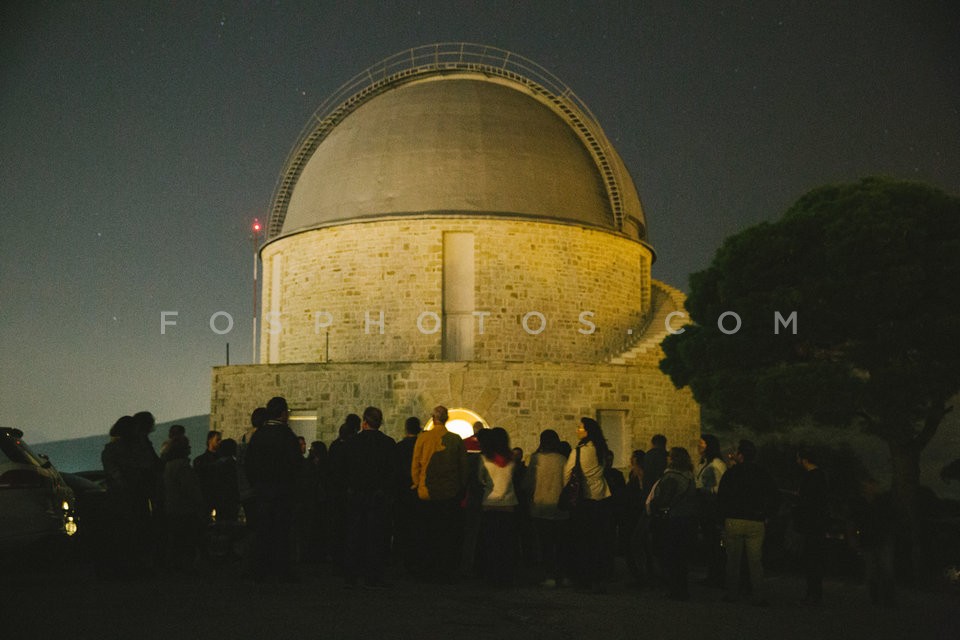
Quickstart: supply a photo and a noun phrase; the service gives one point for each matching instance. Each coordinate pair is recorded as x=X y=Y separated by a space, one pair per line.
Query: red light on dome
x=256 y=225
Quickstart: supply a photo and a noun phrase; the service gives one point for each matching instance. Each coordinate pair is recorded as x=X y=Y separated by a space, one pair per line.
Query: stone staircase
x=665 y=300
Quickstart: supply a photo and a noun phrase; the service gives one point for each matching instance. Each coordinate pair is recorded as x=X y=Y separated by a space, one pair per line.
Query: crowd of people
x=439 y=507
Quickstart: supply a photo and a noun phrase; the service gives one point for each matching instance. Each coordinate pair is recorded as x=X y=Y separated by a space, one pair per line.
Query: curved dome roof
x=456 y=140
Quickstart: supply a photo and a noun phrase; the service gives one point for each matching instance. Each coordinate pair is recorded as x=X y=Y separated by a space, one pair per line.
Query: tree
x=872 y=272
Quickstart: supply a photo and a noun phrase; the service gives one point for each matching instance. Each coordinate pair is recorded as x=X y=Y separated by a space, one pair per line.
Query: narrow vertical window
x=645 y=293
x=458 y=295
x=273 y=339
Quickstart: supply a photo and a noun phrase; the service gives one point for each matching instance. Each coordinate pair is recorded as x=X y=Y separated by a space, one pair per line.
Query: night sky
x=140 y=140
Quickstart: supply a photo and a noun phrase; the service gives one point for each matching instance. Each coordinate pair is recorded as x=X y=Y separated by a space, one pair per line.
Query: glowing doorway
x=460 y=422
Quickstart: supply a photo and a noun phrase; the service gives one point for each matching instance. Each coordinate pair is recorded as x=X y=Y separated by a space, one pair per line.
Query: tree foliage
x=872 y=270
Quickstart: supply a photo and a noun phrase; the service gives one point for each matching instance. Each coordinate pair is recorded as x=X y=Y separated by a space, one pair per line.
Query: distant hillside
x=83 y=454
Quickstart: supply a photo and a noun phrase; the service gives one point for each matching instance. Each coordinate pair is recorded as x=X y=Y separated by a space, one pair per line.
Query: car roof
x=10 y=431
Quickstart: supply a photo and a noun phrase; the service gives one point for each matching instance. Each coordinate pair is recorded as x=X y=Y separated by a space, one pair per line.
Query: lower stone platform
x=632 y=402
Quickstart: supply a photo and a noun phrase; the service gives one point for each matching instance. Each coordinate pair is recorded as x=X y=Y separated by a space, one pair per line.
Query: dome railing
x=438 y=59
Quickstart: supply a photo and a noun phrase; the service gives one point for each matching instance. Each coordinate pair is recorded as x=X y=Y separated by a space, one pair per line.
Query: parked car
x=35 y=501
x=91 y=511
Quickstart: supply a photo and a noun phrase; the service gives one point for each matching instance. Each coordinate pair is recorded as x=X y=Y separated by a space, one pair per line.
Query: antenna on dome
x=256 y=228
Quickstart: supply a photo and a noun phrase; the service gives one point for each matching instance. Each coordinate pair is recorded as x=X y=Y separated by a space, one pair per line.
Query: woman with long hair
x=675 y=502
x=542 y=486
x=592 y=518
x=711 y=469
x=498 y=521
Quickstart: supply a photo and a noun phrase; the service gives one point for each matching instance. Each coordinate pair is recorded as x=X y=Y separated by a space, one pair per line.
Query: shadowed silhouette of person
x=185 y=510
x=273 y=464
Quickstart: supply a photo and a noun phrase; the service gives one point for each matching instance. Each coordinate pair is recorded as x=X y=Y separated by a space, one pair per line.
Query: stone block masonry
x=524 y=398
x=331 y=284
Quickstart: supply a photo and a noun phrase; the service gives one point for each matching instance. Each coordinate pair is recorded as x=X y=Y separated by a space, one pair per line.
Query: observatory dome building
x=453 y=227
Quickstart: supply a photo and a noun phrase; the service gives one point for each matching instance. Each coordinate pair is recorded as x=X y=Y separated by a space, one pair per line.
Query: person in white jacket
x=542 y=485
x=592 y=519
x=499 y=534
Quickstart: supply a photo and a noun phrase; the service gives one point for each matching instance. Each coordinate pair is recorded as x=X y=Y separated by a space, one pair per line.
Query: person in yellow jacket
x=439 y=474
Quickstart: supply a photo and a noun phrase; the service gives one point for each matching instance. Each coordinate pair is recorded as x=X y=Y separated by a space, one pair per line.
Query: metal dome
x=455 y=129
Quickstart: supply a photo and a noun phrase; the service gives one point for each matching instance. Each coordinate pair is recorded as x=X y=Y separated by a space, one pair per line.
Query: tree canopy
x=872 y=272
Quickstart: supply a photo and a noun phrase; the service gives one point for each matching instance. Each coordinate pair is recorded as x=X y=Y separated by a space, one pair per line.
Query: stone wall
x=523 y=398
x=396 y=266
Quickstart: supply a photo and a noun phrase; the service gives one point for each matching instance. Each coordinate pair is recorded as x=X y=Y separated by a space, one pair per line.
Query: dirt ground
x=50 y=598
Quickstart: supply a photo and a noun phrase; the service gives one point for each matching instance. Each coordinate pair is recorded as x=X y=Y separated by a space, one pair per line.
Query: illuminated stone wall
x=461 y=237
x=396 y=266
x=524 y=398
